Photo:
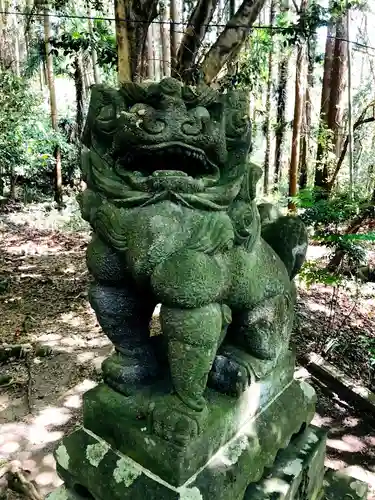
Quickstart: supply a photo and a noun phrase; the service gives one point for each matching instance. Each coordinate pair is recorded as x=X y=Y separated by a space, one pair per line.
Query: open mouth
x=169 y=160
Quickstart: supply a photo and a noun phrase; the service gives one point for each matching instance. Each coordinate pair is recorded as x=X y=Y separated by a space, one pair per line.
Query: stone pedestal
x=116 y=456
x=297 y=472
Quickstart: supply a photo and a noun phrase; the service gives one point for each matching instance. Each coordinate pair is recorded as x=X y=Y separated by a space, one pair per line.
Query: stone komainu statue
x=171 y=200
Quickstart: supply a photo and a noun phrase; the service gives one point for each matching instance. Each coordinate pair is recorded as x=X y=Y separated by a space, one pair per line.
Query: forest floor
x=43 y=300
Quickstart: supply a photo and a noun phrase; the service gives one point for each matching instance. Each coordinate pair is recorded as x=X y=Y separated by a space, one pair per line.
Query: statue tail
x=287 y=236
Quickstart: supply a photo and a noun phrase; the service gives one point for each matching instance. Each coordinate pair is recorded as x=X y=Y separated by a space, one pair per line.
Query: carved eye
x=107 y=117
x=216 y=111
x=237 y=124
x=141 y=109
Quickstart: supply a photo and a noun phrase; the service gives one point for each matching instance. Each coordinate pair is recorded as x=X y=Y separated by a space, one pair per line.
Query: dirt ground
x=43 y=281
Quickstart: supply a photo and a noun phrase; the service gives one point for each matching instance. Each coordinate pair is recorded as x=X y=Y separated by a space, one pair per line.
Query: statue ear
x=101 y=96
x=252 y=175
x=255 y=172
x=94 y=106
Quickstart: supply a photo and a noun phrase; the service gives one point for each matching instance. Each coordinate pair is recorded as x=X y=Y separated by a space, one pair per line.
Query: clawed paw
x=174 y=421
x=230 y=375
x=126 y=375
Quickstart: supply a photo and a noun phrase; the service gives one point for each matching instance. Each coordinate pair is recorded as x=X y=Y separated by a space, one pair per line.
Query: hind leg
x=255 y=339
x=287 y=235
x=264 y=330
x=124 y=313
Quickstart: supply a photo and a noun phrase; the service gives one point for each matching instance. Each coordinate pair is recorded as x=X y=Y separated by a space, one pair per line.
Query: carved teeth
x=169 y=173
x=145 y=157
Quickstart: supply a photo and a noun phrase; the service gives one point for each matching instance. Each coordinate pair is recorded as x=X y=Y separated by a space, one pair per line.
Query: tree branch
x=297 y=9
x=361 y=121
x=193 y=37
x=231 y=39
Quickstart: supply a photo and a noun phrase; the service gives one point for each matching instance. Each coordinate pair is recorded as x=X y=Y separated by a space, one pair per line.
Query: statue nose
x=196 y=122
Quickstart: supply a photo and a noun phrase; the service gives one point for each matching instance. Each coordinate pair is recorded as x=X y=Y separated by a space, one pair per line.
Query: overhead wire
x=178 y=23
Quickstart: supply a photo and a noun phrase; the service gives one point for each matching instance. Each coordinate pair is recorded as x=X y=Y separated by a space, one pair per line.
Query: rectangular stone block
x=88 y=463
x=298 y=470
x=337 y=485
x=122 y=422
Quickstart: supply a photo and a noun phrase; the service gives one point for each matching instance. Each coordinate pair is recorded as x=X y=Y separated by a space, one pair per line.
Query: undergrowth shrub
x=332 y=222
x=27 y=142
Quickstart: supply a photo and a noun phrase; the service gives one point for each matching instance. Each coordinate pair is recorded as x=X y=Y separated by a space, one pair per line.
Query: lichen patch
x=58 y=494
x=62 y=457
x=190 y=494
x=96 y=452
x=126 y=471
x=293 y=467
x=235 y=449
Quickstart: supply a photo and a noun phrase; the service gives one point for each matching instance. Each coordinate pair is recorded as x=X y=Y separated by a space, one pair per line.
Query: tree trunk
x=45 y=73
x=1 y=181
x=334 y=114
x=267 y=125
x=175 y=17
x=124 y=69
x=231 y=39
x=150 y=55
x=220 y=17
x=86 y=82
x=16 y=47
x=297 y=121
x=133 y=18
x=78 y=82
x=12 y=182
x=338 y=82
x=143 y=12
x=352 y=178
x=165 y=54
x=321 y=171
x=155 y=53
x=94 y=57
x=53 y=105
x=144 y=66
x=28 y=9
x=361 y=121
x=195 y=32
x=41 y=76
x=283 y=71
x=232 y=8
x=306 y=125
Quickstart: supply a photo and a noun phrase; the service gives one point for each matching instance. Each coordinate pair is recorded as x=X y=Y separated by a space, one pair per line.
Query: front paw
x=126 y=374
x=173 y=421
x=230 y=373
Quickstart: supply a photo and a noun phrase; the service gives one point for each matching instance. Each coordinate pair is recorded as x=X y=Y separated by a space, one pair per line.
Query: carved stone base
x=98 y=468
x=337 y=484
x=298 y=473
x=127 y=422
x=298 y=470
